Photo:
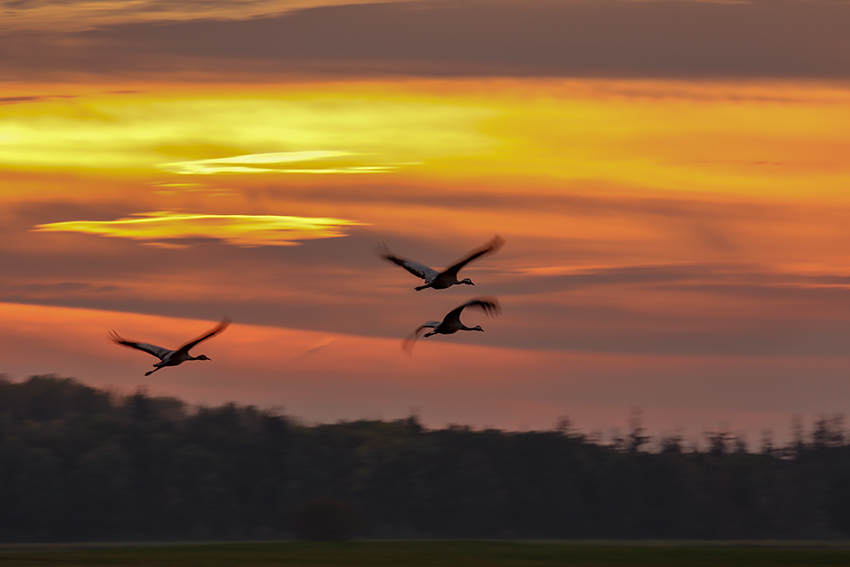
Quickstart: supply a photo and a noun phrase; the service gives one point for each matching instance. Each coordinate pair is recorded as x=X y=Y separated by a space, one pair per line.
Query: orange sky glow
x=673 y=243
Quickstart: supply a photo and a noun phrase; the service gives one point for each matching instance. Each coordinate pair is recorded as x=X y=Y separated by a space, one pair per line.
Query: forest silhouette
x=80 y=463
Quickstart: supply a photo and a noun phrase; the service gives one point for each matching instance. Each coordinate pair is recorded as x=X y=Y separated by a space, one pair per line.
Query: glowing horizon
x=632 y=137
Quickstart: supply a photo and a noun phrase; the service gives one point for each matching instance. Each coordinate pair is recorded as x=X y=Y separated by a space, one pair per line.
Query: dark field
x=431 y=554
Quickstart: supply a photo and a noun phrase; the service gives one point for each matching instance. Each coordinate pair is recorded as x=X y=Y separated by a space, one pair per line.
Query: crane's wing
x=221 y=326
x=489 y=306
x=415 y=268
x=488 y=248
x=157 y=351
x=407 y=345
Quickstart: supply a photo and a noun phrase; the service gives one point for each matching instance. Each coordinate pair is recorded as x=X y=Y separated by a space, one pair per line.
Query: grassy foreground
x=428 y=554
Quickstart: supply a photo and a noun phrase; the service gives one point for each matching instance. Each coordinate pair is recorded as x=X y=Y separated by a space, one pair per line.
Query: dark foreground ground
x=434 y=554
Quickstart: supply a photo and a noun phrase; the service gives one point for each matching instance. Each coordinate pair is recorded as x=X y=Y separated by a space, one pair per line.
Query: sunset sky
x=671 y=178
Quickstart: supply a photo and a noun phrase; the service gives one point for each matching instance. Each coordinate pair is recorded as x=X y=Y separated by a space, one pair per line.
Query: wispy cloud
x=261 y=163
x=30 y=98
x=85 y=14
x=239 y=230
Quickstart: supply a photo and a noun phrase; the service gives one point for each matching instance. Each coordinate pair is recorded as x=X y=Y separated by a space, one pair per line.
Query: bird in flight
x=446 y=278
x=451 y=323
x=171 y=357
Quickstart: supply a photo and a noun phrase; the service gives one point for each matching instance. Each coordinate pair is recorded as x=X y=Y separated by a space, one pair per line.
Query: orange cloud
x=240 y=230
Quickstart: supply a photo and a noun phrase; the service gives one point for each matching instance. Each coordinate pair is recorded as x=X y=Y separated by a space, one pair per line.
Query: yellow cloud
x=249 y=164
x=306 y=129
x=767 y=139
x=240 y=230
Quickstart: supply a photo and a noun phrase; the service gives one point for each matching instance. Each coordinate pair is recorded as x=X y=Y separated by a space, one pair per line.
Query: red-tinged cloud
x=612 y=274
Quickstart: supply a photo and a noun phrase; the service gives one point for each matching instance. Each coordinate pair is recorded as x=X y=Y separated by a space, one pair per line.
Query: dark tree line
x=77 y=463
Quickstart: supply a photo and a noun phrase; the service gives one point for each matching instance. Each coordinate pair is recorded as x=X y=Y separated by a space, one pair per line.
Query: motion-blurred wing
x=407 y=345
x=415 y=268
x=157 y=351
x=492 y=246
x=221 y=326
x=489 y=306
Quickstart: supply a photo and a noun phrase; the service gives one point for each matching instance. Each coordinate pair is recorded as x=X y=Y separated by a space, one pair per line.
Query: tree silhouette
x=78 y=463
